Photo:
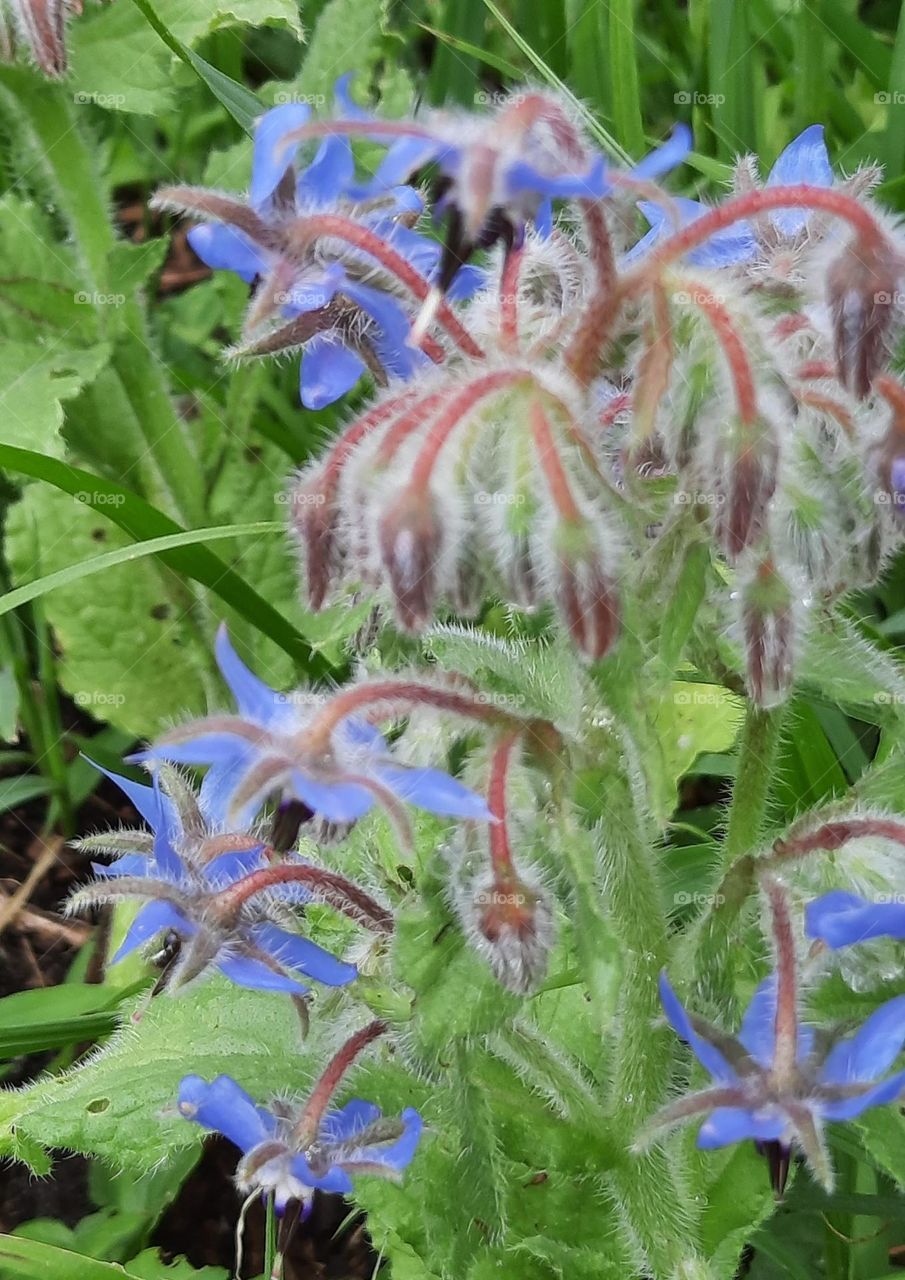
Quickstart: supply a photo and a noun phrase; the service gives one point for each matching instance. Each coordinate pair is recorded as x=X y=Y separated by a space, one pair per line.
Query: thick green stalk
x=756 y=764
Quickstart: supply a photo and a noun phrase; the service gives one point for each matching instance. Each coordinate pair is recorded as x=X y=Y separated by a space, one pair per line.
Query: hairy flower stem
x=595 y=326
x=390 y=697
x=833 y=835
x=551 y=465
x=727 y=335
x=509 y=285
x=504 y=874
x=708 y=948
x=335 y=227
x=335 y=890
x=309 y=1121
x=454 y=414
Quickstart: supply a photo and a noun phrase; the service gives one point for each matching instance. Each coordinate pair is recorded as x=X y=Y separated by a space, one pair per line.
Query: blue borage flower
x=778 y=1080
x=498 y=173
x=289 y=1151
x=263 y=749
x=804 y=160
x=322 y=282
x=840 y=919
x=192 y=893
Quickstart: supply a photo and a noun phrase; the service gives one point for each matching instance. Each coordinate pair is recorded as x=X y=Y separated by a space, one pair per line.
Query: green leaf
x=50 y=1017
x=22 y=1259
x=16 y=791
x=140 y=521
x=127 y=554
x=33 y=385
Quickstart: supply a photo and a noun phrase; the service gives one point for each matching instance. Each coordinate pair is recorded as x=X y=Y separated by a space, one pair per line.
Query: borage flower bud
x=747 y=457
x=509 y=921
x=862 y=285
x=412 y=542
x=585 y=588
x=770 y=625
x=41 y=25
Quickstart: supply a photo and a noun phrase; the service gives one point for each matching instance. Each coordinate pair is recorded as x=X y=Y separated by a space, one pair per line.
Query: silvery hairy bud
x=770 y=625
x=747 y=459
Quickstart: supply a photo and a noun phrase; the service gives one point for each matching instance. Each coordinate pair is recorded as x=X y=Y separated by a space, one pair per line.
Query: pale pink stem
x=452 y=415
x=551 y=464
x=728 y=336
x=833 y=835
x=785 y=1054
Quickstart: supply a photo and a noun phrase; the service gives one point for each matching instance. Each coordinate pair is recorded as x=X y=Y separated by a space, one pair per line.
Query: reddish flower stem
x=500 y=848
x=892 y=392
x=333 y=889
x=408 y=422
x=367 y=241
x=309 y=1122
x=829 y=406
x=388 y=696
x=551 y=464
x=785 y=1054
x=727 y=335
x=509 y=299
x=455 y=413
x=812 y=370
x=353 y=436
x=595 y=326
x=833 y=835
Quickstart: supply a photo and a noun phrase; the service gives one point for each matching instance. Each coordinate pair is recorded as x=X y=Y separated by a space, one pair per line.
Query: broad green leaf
x=329 y=51
x=140 y=520
x=844 y=667
x=692 y=719
x=111 y=38
x=34 y=382
x=22 y=1259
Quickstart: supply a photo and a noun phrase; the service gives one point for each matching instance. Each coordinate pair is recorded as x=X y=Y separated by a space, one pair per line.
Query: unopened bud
x=748 y=461
x=410 y=547
x=586 y=593
x=861 y=286
x=42 y=25
x=514 y=929
x=769 y=626
x=314 y=520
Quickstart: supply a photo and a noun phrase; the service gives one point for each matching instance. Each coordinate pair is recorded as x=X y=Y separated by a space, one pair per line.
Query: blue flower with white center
x=779 y=1081
x=278 y=1161
x=804 y=161
x=840 y=919
x=192 y=882
x=265 y=749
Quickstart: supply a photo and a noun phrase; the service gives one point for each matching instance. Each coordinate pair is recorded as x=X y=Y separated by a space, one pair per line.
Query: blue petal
x=666 y=157
x=758 y=1030
x=399 y=1154
x=299 y=953
x=469 y=279
x=329 y=370
x=335 y=801
x=345 y=1122
x=226 y=868
x=543 y=219
x=271 y=157
x=227 y=249
x=733 y=1124
x=404 y=157
x=247 y=972
x=522 y=177
x=313 y=289
x=724 y=248
x=130 y=864
x=335 y=1179
x=226 y=1108
x=391 y=340
x=871 y=1050
x=329 y=174
x=221 y=747
x=842 y=919
x=219 y=786
x=878 y=1096
x=359 y=733
x=435 y=791
x=254 y=699
x=146 y=799
x=706 y=1053
x=348 y=110
x=805 y=160
x=150 y=921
